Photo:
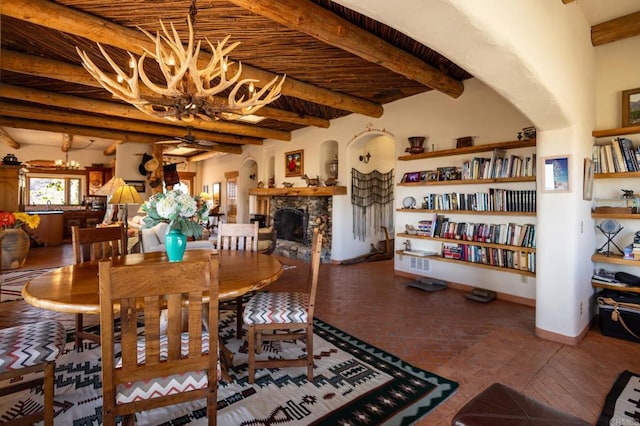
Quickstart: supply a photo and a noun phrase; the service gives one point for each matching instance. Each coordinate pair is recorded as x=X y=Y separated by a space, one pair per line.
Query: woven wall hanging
x=372 y=201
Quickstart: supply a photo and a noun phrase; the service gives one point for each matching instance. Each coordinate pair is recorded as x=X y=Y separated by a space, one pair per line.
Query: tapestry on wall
x=372 y=201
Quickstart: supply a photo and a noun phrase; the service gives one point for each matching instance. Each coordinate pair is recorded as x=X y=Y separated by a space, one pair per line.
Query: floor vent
x=420 y=264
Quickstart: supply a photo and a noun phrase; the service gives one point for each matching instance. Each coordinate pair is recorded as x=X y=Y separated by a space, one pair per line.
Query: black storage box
x=619 y=314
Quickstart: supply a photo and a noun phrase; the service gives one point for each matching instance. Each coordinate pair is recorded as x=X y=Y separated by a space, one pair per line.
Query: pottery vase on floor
x=175 y=243
x=15 y=248
x=416 y=145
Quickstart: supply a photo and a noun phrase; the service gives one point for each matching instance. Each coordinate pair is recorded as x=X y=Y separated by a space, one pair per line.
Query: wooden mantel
x=311 y=191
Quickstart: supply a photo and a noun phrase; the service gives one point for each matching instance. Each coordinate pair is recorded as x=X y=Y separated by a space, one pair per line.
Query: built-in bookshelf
x=630 y=170
x=460 y=248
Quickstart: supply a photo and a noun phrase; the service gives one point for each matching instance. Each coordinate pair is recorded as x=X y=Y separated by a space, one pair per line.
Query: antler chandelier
x=189 y=92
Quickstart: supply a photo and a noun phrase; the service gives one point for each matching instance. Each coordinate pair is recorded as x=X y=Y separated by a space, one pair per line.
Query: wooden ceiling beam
x=55 y=16
x=12 y=109
x=6 y=139
x=243 y=134
x=616 y=29
x=309 y=18
x=119 y=136
x=42 y=67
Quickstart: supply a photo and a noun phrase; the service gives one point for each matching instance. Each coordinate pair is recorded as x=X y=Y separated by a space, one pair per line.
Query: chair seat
x=31 y=344
x=163 y=386
x=276 y=308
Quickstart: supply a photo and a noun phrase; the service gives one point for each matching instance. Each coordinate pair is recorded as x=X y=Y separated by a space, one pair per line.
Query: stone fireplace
x=295 y=213
x=294 y=219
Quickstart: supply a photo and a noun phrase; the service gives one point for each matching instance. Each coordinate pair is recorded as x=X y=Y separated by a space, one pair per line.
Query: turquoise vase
x=175 y=244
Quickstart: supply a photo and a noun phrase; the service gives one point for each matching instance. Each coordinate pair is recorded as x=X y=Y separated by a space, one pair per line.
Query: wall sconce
x=252 y=176
x=365 y=158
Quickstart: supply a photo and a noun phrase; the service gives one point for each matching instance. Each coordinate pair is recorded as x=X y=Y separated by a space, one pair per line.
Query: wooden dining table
x=74 y=288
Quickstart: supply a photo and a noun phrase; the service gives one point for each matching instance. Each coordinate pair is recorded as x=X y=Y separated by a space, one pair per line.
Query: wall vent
x=419 y=264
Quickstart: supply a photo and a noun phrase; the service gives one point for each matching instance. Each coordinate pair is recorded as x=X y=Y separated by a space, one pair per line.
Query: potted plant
x=15 y=242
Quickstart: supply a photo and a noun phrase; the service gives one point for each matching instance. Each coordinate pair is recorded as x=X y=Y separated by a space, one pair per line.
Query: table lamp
x=125 y=194
x=108 y=189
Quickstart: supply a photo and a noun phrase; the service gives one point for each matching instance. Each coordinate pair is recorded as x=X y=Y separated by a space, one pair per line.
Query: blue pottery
x=175 y=244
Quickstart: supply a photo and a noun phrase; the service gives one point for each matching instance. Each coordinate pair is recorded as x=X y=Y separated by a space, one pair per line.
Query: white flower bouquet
x=180 y=210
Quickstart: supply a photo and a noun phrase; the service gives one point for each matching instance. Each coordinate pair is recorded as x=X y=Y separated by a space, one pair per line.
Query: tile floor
x=472 y=343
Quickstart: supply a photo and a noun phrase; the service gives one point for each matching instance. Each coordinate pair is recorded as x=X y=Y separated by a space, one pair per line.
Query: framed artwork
x=631 y=107
x=433 y=175
x=216 y=193
x=587 y=189
x=411 y=177
x=556 y=174
x=95 y=181
x=205 y=189
x=294 y=163
x=137 y=184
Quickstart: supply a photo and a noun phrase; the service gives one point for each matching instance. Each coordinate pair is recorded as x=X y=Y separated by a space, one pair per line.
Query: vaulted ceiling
x=337 y=62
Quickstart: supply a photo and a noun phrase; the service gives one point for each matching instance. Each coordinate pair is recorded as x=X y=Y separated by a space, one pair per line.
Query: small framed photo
x=587 y=189
x=433 y=175
x=556 y=174
x=294 y=163
x=631 y=108
x=449 y=173
x=137 y=184
x=411 y=177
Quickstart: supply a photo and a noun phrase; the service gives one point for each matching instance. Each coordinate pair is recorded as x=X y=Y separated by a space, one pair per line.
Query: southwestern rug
x=621 y=406
x=11 y=282
x=354 y=384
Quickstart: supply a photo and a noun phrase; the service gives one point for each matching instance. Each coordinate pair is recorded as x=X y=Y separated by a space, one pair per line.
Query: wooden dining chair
x=237 y=236
x=158 y=369
x=95 y=244
x=284 y=316
x=31 y=348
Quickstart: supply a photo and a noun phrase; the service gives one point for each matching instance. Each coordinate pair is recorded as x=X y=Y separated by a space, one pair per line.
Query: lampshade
x=126 y=194
x=110 y=187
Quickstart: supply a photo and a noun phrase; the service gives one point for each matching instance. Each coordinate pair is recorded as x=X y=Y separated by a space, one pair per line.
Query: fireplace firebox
x=291 y=224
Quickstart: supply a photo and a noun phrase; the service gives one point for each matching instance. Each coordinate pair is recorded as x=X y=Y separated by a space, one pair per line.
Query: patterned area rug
x=354 y=384
x=621 y=406
x=11 y=282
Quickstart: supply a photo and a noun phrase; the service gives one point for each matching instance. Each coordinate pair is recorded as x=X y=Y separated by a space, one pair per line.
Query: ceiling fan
x=189 y=141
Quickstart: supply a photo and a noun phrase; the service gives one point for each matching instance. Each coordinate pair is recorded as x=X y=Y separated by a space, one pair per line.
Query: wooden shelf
x=618 y=175
x=616 y=132
x=470 y=150
x=471 y=243
x=311 y=191
x=482 y=265
x=402 y=253
x=615 y=216
x=471 y=212
x=615 y=259
x=470 y=181
x=628 y=289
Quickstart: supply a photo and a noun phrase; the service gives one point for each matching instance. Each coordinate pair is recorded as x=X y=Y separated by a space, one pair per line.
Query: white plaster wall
x=537 y=54
x=617 y=66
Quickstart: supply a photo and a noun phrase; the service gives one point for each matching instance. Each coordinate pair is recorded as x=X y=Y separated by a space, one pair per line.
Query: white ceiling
x=595 y=11
x=598 y=11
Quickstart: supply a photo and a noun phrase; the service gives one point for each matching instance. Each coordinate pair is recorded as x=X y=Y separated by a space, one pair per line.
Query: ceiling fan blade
x=201 y=142
x=167 y=142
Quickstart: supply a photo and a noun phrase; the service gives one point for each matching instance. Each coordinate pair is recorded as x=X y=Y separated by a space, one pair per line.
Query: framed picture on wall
x=556 y=174
x=137 y=184
x=294 y=163
x=631 y=107
x=587 y=189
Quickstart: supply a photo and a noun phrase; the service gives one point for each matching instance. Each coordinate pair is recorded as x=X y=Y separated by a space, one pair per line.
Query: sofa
x=152 y=239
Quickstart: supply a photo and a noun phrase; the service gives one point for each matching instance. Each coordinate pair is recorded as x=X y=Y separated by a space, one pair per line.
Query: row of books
x=618 y=156
x=499 y=200
x=512 y=234
x=499 y=166
x=513 y=259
